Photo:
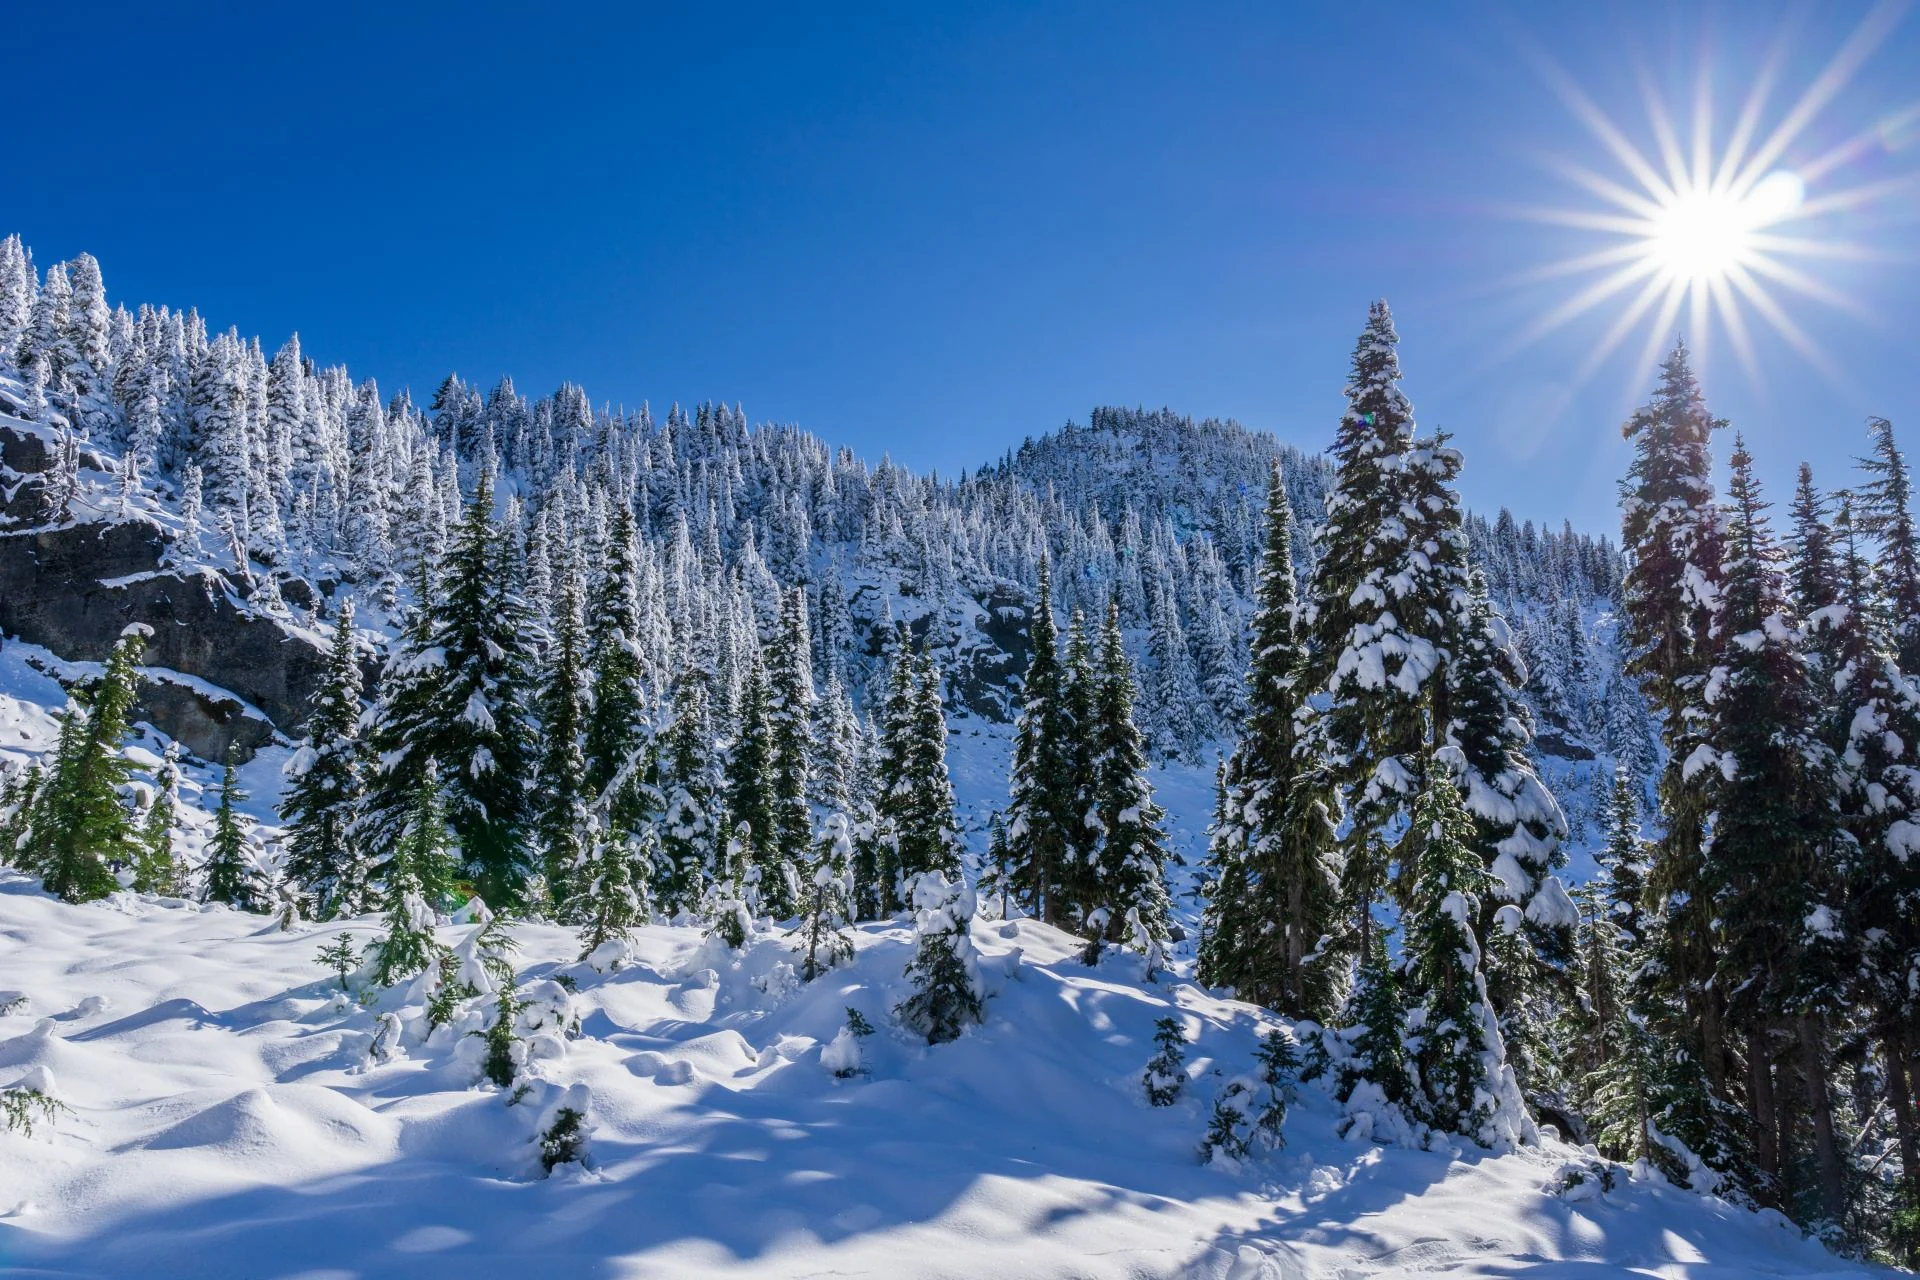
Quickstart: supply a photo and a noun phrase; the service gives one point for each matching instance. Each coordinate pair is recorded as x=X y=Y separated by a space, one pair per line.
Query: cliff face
x=220 y=675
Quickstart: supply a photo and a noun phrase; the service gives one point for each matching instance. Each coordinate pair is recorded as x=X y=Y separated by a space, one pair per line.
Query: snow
x=230 y=1113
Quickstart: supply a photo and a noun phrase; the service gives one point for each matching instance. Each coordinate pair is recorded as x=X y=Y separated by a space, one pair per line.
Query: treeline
x=300 y=471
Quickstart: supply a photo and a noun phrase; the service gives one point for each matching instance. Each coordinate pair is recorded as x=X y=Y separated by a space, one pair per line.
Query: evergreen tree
x=1373 y=665
x=1376 y=1013
x=1132 y=853
x=605 y=902
x=690 y=821
x=945 y=971
x=156 y=867
x=415 y=879
x=1885 y=510
x=1466 y=1084
x=325 y=787
x=1167 y=1070
x=1772 y=864
x=1272 y=911
x=1671 y=534
x=616 y=727
x=770 y=880
x=79 y=826
x=231 y=876
x=790 y=724
x=925 y=829
x=827 y=911
x=1042 y=809
x=560 y=816
x=453 y=696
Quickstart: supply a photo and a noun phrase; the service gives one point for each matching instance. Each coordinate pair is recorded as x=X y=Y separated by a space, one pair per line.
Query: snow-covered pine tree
x=616 y=727
x=1874 y=727
x=1466 y=1084
x=1273 y=911
x=1377 y=1074
x=453 y=695
x=790 y=710
x=1671 y=534
x=157 y=867
x=1518 y=827
x=416 y=875
x=17 y=289
x=79 y=826
x=1773 y=866
x=769 y=880
x=605 y=902
x=560 y=809
x=1043 y=803
x=1131 y=856
x=1373 y=665
x=1884 y=509
x=690 y=819
x=927 y=835
x=324 y=789
x=826 y=913
x=231 y=876
x=947 y=990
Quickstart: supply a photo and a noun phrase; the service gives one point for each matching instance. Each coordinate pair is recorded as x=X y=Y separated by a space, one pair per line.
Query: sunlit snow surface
x=226 y=1121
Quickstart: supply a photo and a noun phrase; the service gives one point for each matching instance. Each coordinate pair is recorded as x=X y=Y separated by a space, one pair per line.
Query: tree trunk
x=1761 y=1106
x=1813 y=1056
x=1900 y=1094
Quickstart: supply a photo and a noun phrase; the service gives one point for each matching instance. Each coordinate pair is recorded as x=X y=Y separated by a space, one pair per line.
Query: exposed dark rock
x=203 y=722
x=73 y=589
x=1550 y=741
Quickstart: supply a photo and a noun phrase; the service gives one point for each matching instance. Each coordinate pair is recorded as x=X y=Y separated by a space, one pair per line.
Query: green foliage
x=78 y=822
x=1166 y=1071
x=1273 y=910
x=326 y=784
x=564 y=1141
x=231 y=876
x=341 y=956
x=22 y=1108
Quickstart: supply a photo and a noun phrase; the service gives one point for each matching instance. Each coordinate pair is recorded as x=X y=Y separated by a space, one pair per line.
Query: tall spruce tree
x=790 y=723
x=1772 y=863
x=79 y=826
x=1372 y=664
x=768 y=878
x=1042 y=808
x=1874 y=725
x=231 y=876
x=560 y=817
x=690 y=820
x=616 y=724
x=453 y=696
x=324 y=789
x=1130 y=867
x=1885 y=510
x=1671 y=535
x=1273 y=912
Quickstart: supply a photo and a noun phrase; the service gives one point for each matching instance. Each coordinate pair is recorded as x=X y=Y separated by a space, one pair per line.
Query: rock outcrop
x=220 y=674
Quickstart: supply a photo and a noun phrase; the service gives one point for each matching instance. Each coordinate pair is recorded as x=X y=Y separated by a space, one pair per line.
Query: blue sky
x=934 y=230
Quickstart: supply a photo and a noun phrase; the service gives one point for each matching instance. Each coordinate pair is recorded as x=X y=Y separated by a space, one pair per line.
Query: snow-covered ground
x=227 y=1118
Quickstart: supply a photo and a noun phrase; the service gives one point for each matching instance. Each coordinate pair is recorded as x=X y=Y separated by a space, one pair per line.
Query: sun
x=1702 y=237
x=1706 y=227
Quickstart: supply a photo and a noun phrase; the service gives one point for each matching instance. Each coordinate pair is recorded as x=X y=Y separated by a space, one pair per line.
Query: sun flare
x=1709 y=231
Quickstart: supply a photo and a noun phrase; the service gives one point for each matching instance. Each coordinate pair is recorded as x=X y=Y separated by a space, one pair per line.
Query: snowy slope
x=226 y=1120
